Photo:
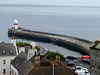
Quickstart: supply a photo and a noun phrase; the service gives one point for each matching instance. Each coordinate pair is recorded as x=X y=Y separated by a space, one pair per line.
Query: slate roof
x=26 y=68
x=20 y=59
x=48 y=70
x=43 y=51
x=7 y=49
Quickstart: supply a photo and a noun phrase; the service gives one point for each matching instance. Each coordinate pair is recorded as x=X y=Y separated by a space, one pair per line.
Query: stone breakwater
x=73 y=43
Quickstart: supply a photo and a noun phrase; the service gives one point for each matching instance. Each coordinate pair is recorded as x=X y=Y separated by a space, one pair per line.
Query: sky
x=54 y=2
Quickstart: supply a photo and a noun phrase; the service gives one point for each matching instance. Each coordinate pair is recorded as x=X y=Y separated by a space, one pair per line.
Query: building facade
x=5 y=65
x=7 y=53
x=31 y=52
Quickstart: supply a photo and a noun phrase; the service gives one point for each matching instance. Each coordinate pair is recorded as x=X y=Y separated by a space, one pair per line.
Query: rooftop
x=20 y=59
x=7 y=49
x=48 y=70
x=25 y=68
x=43 y=51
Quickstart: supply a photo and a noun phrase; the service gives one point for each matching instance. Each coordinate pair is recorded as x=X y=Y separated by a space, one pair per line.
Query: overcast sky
x=54 y=2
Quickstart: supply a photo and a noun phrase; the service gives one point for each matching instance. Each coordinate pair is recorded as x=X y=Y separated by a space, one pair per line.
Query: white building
x=21 y=49
x=7 y=53
x=13 y=42
x=33 y=44
x=31 y=52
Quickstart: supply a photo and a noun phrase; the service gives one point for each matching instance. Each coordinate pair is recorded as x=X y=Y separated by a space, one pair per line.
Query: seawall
x=73 y=43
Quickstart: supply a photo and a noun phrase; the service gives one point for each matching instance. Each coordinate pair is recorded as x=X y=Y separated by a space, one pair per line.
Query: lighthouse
x=16 y=24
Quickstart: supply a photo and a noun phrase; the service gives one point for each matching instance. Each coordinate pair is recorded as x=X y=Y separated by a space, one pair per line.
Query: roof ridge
x=69 y=69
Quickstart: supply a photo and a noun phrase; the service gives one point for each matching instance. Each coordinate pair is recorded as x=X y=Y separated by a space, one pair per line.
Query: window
x=4 y=61
x=4 y=71
x=3 y=52
x=15 y=73
x=11 y=52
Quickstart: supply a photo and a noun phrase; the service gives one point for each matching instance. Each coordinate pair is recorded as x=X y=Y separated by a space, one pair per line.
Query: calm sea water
x=80 y=22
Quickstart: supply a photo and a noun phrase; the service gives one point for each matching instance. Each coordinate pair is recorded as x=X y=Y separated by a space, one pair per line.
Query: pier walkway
x=74 y=43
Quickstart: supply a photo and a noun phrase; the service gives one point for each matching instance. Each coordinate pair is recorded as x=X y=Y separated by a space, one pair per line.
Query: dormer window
x=11 y=52
x=3 y=52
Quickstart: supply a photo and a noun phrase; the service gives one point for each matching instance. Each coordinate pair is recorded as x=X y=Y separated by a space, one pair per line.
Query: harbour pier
x=73 y=43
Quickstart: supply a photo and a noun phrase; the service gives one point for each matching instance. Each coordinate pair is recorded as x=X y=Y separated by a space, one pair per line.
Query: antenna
x=48 y=47
x=53 y=70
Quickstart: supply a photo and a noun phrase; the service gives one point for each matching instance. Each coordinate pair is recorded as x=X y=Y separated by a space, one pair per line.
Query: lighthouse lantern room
x=16 y=24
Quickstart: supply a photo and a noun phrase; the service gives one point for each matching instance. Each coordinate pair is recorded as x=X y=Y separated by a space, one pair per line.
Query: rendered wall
x=6 y=65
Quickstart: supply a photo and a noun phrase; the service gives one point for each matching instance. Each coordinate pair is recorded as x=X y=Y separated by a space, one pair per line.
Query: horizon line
x=37 y=5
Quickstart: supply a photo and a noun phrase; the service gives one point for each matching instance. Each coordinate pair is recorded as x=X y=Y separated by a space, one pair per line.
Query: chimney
x=37 y=60
x=14 y=38
x=21 y=49
x=31 y=46
x=35 y=53
x=57 y=57
x=39 y=53
x=58 y=61
x=12 y=41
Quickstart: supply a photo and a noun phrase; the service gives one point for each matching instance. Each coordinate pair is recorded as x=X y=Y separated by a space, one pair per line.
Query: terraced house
x=7 y=53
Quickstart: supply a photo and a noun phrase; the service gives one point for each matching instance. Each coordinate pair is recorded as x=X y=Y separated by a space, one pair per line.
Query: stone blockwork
x=69 y=42
x=95 y=61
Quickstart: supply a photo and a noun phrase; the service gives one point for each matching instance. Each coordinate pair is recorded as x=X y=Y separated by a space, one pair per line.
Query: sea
x=82 y=22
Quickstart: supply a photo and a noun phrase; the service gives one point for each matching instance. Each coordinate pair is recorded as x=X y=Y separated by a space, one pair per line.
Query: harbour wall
x=72 y=43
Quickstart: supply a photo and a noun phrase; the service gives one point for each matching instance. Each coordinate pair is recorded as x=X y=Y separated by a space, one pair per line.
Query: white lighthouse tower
x=16 y=24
